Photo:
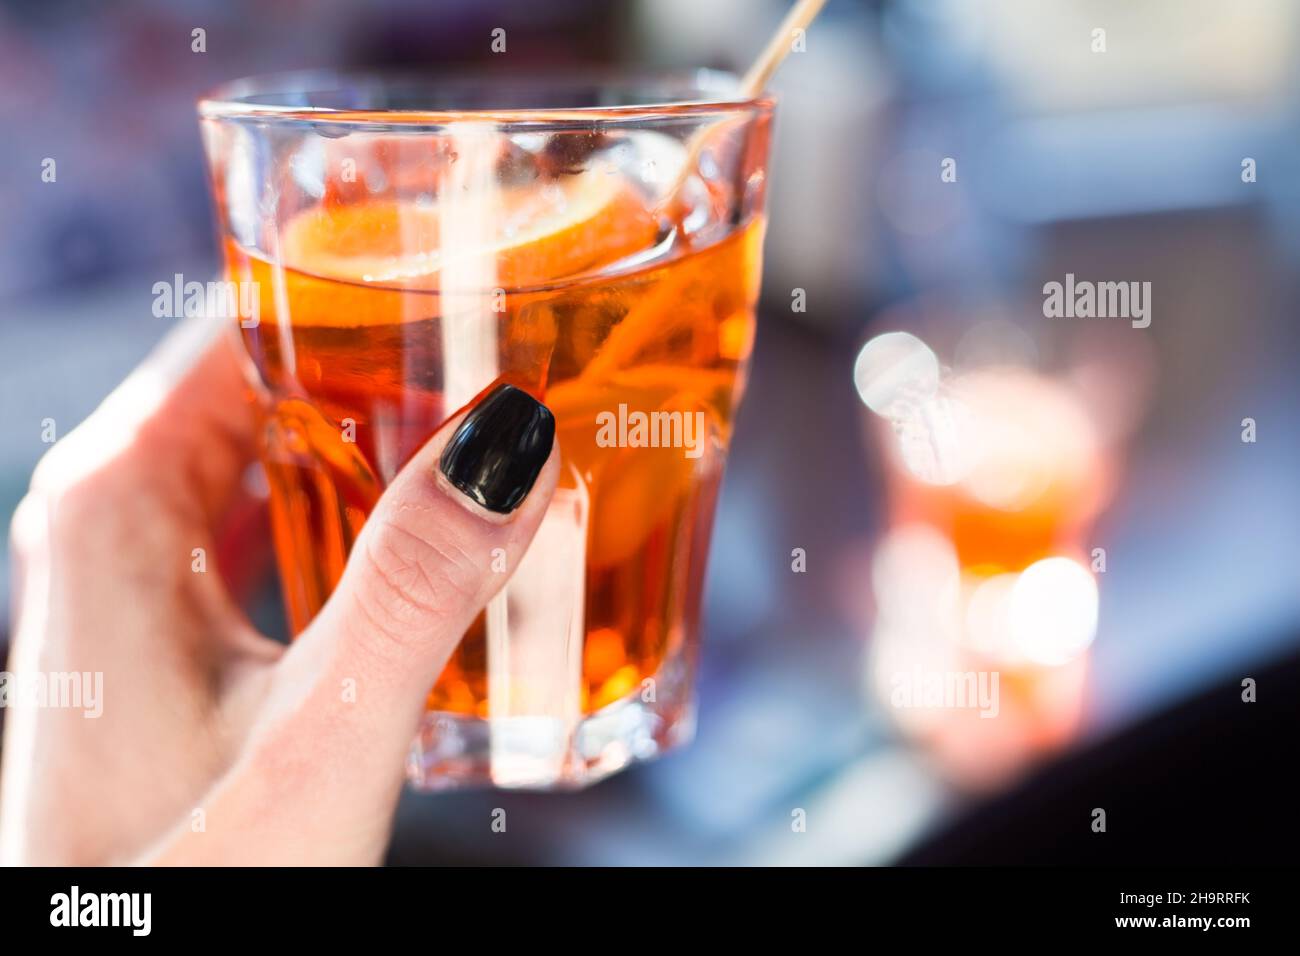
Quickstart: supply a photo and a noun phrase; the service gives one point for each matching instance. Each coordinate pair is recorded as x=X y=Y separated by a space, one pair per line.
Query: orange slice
x=502 y=238
x=577 y=403
x=640 y=489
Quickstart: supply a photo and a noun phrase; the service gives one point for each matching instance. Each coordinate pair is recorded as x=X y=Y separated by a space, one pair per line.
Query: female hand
x=215 y=744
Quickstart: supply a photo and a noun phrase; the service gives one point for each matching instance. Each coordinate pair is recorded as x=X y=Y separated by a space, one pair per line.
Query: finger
x=423 y=567
x=181 y=426
x=138 y=488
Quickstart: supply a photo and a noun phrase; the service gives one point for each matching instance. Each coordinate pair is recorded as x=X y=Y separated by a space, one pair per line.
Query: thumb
x=423 y=568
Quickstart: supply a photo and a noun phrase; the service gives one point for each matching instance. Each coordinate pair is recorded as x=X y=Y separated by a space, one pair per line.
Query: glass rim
x=691 y=94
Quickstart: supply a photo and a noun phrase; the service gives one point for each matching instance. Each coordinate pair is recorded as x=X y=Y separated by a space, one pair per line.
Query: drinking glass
x=413 y=242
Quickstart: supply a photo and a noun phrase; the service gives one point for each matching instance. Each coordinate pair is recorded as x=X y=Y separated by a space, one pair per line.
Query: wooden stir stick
x=755 y=81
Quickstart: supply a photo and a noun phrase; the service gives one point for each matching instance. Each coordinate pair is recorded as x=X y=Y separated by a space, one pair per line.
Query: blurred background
x=1075 y=504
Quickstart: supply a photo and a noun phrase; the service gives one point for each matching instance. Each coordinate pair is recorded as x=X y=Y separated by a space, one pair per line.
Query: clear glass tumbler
x=412 y=243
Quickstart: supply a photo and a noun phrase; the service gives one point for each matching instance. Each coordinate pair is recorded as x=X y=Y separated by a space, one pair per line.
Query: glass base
x=455 y=751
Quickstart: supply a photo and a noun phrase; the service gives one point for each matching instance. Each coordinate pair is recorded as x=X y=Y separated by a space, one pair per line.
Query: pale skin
x=217 y=745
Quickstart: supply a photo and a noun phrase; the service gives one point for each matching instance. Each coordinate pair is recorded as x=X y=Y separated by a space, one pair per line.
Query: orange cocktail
x=442 y=254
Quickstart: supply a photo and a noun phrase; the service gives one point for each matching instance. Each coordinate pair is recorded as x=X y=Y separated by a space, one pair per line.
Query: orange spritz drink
x=407 y=260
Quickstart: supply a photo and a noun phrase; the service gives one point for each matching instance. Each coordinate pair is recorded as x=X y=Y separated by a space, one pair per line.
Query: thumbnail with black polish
x=499 y=449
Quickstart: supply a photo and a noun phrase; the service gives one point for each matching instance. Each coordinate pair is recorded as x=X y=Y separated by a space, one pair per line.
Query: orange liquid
x=363 y=387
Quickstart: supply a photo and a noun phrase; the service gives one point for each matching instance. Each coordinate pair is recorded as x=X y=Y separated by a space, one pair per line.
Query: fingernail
x=499 y=449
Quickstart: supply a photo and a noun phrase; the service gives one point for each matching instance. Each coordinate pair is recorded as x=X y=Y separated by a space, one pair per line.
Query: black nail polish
x=499 y=448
